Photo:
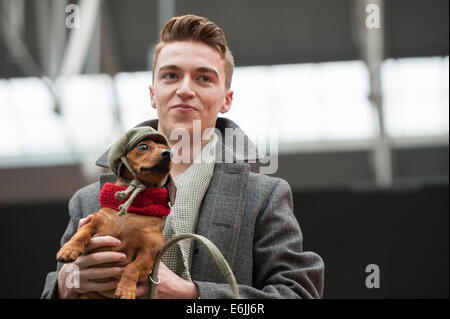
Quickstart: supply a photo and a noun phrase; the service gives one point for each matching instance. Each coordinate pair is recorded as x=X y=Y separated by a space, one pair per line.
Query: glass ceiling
x=321 y=102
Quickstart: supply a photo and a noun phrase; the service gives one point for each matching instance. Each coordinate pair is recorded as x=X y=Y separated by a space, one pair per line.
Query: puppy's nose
x=166 y=154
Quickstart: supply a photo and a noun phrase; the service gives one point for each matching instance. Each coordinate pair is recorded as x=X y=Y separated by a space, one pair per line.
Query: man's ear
x=228 y=100
x=152 y=99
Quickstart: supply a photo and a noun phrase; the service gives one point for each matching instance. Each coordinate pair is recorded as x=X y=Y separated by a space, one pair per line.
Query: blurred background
x=357 y=92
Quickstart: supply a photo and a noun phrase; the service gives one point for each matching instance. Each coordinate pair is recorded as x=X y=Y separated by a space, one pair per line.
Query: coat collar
x=224 y=151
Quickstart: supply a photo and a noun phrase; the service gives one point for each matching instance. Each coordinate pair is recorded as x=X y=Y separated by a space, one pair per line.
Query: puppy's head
x=150 y=160
x=146 y=151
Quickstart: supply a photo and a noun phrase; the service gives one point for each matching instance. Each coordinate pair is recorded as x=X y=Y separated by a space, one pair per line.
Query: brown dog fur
x=141 y=236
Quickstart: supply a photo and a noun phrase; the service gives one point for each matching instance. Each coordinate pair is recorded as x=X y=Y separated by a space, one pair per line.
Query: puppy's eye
x=143 y=147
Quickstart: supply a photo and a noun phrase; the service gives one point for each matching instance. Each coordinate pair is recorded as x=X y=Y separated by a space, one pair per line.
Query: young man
x=247 y=215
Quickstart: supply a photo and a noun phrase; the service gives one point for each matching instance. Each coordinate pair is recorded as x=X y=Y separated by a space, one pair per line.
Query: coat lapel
x=220 y=217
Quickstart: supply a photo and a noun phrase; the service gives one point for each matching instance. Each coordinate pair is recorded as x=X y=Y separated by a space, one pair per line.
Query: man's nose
x=185 y=91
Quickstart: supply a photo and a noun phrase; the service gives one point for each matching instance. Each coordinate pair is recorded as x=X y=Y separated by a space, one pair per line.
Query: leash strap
x=213 y=250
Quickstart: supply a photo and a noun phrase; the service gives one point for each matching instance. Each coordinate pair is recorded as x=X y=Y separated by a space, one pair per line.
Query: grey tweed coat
x=248 y=216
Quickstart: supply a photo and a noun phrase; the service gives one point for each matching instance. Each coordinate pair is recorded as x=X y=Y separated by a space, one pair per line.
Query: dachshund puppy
x=140 y=231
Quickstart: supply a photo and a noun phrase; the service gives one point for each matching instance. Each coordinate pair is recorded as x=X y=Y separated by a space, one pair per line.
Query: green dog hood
x=128 y=141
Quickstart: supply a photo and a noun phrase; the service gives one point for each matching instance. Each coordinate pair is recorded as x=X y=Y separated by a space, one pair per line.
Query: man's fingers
x=97 y=287
x=101 y=273
x=101 y=241
x=85 y=261
x=84 y=221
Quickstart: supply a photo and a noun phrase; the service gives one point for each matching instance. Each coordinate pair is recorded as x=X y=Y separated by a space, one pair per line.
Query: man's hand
x=88 y=271
x=170 y=287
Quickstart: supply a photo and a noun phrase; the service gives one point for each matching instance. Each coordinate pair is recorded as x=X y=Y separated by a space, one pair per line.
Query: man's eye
x=204 y=78
x=169 y=76
x=143 y=147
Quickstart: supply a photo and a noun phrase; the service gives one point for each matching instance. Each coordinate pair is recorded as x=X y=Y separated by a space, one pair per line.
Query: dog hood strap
x=135 y=188
x=128 y=166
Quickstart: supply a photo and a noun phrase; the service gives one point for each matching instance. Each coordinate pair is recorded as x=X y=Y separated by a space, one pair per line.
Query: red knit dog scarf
x=151 y=201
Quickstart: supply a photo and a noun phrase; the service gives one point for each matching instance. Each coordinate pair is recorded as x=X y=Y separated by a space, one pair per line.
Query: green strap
x=213 y=250
x=135 y=187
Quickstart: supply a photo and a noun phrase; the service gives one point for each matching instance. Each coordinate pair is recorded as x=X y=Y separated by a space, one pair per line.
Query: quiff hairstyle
x=195 y=28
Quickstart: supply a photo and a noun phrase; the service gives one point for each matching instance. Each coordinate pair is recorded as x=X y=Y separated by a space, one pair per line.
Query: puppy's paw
x=68 y=253
x=125 y=290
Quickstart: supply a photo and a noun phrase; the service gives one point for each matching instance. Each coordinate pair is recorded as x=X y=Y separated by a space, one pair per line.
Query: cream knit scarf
x=191 y=188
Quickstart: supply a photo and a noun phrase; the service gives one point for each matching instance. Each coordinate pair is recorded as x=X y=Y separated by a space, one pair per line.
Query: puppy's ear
x=171 y=189
x=118 y=171
x=123 y=172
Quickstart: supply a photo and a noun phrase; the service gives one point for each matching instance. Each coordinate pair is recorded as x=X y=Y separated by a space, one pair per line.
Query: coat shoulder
x=88 y=193
x=262 y=189
x=85 y=201
x=265 y=182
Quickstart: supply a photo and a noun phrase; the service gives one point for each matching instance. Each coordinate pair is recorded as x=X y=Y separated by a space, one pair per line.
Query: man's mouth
x=184 y=108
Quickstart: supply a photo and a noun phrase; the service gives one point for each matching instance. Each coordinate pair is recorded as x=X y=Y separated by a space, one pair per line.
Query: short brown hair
x=195 y=28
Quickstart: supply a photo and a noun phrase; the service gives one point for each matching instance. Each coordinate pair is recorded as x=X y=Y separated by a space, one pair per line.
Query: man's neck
x=180 y=167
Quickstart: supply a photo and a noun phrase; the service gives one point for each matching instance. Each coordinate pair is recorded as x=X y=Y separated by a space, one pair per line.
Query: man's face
x=188 y=85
